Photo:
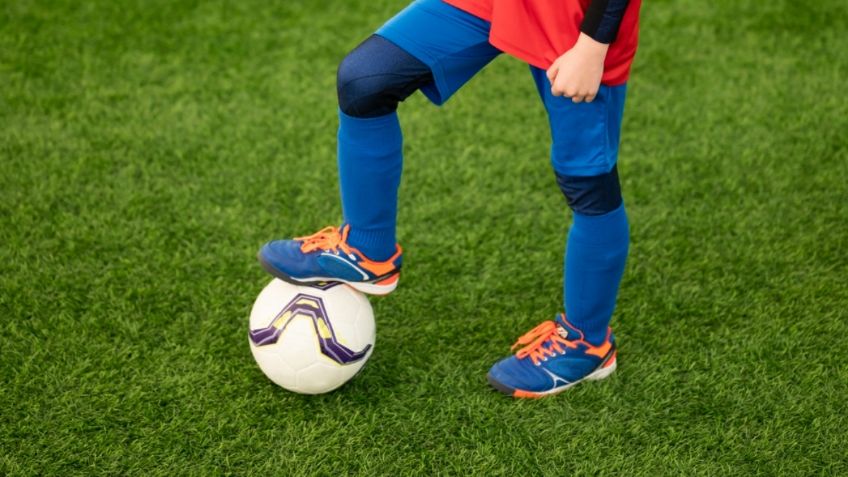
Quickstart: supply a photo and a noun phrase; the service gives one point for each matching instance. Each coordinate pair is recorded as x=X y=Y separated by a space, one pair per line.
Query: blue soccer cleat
x=326 y=257
x=554 y=356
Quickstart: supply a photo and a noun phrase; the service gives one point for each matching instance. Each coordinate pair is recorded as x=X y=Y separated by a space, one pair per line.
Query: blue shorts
x=455 y=45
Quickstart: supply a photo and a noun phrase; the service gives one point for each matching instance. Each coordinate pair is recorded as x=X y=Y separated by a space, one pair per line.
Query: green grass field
x=147 y=149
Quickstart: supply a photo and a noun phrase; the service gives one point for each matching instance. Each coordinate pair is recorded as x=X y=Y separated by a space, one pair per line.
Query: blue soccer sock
x=370 y=163
x=594 y=263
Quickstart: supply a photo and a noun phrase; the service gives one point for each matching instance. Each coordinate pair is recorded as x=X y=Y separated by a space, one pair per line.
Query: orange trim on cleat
x=599 y=351
x=526 y=394
x=379 y=268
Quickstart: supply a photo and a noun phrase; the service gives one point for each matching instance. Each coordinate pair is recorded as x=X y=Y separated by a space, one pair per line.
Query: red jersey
x=540 y=31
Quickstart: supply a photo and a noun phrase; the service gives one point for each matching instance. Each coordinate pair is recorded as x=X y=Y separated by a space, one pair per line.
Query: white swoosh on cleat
x=556 y=378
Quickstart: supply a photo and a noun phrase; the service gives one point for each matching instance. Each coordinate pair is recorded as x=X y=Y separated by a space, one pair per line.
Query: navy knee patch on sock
x=376 y=76
x=593 y=195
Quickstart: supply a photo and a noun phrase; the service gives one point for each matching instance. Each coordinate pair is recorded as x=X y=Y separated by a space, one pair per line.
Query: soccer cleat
x=553 y=357
x=326 y=257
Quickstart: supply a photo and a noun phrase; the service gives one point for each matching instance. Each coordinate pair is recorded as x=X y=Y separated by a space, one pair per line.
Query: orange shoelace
x=328 y=238
x=534 y=341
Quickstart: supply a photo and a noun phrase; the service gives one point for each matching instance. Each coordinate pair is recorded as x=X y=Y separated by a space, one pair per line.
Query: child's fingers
x=552 y=72
x=557 y=90
x=558 y=84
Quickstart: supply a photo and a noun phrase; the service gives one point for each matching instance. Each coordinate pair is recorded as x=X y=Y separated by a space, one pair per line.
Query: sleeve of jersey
x=603 y=17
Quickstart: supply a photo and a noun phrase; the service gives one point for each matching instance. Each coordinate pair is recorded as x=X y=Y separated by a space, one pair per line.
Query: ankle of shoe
x=592 y=336
x=378 y=244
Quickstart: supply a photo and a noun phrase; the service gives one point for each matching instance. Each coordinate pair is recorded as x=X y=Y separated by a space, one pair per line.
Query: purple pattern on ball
x=312 y=307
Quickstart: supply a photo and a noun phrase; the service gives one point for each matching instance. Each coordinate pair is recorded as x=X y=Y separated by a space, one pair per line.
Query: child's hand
x=577 y=74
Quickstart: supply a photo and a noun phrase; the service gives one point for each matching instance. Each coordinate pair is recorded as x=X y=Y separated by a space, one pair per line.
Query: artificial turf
x=148 y=148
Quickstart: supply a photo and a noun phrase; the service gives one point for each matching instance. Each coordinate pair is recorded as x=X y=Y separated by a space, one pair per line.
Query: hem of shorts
x=434 y=93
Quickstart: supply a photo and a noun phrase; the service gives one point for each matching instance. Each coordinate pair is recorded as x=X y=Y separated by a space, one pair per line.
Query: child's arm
x=577 y=74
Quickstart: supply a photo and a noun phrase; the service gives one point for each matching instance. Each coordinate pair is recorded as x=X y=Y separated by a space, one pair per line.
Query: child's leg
x=430 y=46
x=594 y=261
x=372 y=79
x=584 y=155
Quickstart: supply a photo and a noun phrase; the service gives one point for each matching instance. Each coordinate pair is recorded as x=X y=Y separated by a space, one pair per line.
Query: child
x=579 y=52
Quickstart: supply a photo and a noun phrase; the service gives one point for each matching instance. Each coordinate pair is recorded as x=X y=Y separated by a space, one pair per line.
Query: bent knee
x=377 y=75
x=593 y=195
x=363 y=92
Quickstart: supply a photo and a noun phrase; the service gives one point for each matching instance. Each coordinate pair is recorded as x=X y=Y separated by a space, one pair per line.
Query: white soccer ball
x=311 y=340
